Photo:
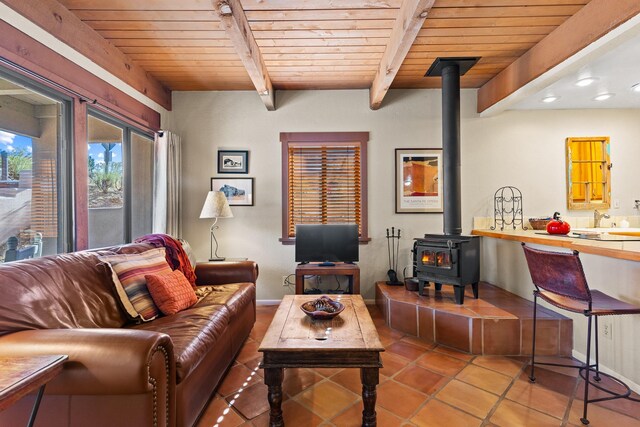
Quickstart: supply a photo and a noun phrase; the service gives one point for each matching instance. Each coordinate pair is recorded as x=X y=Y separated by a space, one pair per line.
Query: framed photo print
x=233 y=161
x=418 y=180
x=239 y=191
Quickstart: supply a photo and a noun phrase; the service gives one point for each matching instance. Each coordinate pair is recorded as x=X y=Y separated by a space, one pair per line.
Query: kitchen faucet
x=597 y=216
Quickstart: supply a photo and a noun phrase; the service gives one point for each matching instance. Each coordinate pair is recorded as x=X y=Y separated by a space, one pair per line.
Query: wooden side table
x=339 y=269
x=21 y=375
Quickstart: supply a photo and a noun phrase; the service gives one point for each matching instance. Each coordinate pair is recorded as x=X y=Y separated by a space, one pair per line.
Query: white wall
x=520 y=148
x=209 y=121
x=526 y=149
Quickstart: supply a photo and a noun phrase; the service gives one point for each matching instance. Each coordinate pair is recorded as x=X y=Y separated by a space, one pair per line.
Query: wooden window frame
x=588 y=204
x=328 y=139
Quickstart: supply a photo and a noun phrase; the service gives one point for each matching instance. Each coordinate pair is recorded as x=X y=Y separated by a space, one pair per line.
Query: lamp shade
x=216 y=206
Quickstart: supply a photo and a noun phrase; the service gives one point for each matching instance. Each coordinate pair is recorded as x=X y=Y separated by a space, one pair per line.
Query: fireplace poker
x=393 y=256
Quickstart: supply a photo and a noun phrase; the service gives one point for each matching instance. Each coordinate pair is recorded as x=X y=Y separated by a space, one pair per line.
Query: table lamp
x=215 y=206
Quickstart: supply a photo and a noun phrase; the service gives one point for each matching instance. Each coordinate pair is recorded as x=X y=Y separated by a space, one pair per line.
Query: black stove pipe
x=450 y=69
x=451 y=149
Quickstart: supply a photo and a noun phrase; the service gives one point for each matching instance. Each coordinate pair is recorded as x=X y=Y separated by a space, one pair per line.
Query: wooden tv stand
x=339 y=269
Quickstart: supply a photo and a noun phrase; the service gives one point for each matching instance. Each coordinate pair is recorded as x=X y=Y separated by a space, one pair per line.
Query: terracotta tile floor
x=419 y=386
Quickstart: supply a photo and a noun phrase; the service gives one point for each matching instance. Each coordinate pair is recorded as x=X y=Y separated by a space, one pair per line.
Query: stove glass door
x=443 y=259
x=429 y=258
x=438 y=258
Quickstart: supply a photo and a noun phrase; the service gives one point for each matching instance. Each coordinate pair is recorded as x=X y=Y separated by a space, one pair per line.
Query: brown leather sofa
x=160 y=373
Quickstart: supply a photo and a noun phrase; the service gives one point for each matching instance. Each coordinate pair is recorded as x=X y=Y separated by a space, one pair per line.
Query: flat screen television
x=327 y=243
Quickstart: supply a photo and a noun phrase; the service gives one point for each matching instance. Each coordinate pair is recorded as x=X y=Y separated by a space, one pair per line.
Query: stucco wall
x=208 y=121
x=521 y=148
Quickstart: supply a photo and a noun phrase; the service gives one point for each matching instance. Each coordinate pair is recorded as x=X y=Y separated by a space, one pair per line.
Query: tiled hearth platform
x=498 y=323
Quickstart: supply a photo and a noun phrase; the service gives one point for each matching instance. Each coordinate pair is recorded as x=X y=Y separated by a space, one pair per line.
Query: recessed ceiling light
x=636 y=87
x=603 y=97
x=550 y=98
x=586 y=81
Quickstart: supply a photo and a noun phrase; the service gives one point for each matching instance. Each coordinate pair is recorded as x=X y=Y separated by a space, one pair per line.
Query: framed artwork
x=233 y=161
x=239 y=191
x=418 y=180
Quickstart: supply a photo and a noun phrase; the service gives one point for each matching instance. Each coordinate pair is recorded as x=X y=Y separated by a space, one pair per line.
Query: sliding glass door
x=106 y=183
x=34 y=214
x=120 y=171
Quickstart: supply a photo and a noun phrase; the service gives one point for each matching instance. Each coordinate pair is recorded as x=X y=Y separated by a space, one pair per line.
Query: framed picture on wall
x=418 y=180
x=239 y=191
x=233 y=161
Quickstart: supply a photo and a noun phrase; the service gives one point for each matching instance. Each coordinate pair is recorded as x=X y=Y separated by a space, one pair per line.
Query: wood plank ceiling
x=318 y=44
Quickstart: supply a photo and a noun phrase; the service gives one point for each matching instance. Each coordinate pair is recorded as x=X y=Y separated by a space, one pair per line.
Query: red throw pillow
x=171 y=292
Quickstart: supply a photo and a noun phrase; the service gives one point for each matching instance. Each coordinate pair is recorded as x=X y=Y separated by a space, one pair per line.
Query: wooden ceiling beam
x=590 y=23
x=235 y=23
x=408 y=23
x=57 y=20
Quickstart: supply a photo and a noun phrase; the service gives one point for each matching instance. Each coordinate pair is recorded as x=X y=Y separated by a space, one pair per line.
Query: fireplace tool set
x=393 y=243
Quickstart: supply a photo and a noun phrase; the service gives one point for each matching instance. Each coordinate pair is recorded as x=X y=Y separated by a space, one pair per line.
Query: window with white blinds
x=324 y=180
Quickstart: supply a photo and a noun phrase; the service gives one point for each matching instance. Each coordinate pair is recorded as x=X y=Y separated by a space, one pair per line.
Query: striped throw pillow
x=128 y=271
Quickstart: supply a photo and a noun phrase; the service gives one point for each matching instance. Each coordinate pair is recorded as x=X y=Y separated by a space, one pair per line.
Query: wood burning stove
x=453 y=260
x=449 y=258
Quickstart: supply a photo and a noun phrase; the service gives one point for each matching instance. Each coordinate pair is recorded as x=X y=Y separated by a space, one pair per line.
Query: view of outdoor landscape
x=17 y=149
x=15 y=202
x=105 y=175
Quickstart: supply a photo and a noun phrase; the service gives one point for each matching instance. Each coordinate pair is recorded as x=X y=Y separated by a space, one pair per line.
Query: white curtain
x=167 y=201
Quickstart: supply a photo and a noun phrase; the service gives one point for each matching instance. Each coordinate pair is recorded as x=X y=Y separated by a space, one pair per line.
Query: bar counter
x=627 y=250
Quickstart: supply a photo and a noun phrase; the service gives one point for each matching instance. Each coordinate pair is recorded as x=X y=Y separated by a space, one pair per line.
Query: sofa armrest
x=222 y=273
x=101 y=361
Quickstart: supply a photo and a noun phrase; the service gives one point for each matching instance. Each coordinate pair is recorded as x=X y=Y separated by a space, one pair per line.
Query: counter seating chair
x=559 y=280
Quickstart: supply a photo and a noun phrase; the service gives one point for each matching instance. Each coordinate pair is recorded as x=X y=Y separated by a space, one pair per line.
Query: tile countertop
x=628 y=250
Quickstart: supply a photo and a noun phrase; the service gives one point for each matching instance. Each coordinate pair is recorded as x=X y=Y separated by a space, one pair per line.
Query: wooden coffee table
x=294 y=340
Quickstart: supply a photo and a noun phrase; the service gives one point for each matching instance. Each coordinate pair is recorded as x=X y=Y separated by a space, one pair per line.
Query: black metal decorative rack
x=507 y=208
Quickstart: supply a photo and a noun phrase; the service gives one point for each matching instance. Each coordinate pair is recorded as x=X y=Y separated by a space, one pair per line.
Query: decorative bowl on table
x=323 y=308
x=539 y=223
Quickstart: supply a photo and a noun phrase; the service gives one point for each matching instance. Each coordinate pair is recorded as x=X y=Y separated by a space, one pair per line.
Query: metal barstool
x=559 y=279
